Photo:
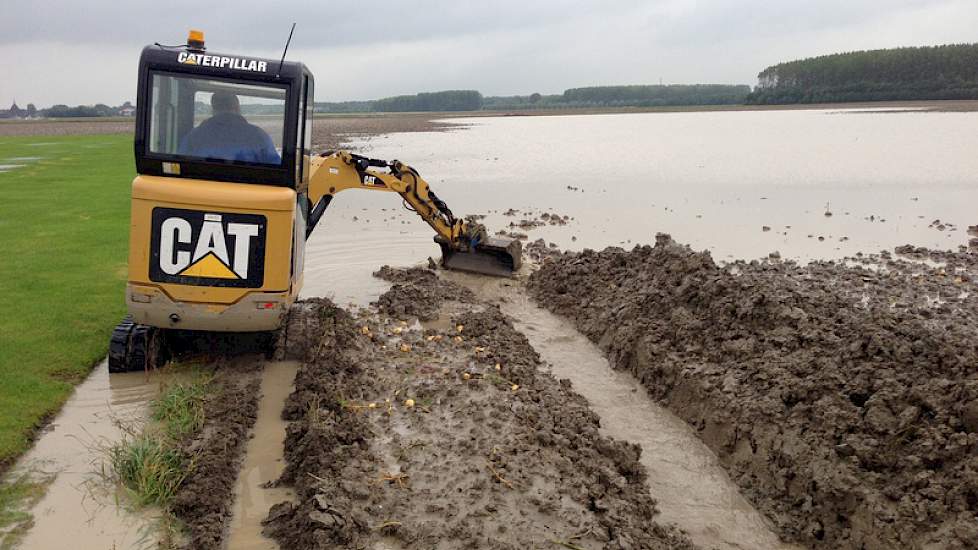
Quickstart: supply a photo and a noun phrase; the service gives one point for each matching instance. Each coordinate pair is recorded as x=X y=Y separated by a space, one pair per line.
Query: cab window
x=216 y=121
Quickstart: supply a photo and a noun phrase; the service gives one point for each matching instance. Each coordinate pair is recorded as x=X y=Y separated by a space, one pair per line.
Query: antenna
x=287 y=42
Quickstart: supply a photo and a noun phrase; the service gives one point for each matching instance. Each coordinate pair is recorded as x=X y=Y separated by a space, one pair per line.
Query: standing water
x=826 y=184
x=684 y=476
x=263 y=462
x=79 y=505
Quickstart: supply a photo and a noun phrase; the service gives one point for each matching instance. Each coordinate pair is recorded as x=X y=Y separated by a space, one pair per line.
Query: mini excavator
x=227 y=193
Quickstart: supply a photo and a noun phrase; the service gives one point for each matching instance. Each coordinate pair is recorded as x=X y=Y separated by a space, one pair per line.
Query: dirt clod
x=417 y=292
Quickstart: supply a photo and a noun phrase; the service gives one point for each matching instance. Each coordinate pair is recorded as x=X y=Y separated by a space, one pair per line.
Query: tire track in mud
x=402 y=436
x=693 y=490
x=255 y=491
x=203 y=501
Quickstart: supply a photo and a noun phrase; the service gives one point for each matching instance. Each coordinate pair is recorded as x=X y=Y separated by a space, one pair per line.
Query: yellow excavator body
x=173 y=300
x=227 y=195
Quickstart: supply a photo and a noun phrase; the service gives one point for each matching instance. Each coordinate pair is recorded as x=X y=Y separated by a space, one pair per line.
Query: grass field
x=64 y=218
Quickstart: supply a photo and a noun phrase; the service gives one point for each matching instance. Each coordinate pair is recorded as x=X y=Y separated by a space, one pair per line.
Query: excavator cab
x=227 y=193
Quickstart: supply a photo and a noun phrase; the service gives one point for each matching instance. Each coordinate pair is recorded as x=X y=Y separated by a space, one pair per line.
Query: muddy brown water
x=691 y=488
x=80 y=507
x=263 y=462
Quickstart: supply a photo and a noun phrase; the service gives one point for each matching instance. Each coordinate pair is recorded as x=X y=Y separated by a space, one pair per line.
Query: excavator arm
x=465 y=246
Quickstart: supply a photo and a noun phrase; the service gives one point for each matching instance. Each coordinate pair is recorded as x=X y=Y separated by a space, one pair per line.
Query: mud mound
x=204 y=499
x=323 y=438
x=842 y=399
x=413 y=438
x=417 y=292
x=540 y=251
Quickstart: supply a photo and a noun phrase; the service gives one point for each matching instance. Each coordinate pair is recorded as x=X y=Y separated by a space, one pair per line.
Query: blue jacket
x=228 y=136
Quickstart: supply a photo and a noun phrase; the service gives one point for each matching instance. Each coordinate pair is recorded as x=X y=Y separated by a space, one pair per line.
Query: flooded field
x=808 y=184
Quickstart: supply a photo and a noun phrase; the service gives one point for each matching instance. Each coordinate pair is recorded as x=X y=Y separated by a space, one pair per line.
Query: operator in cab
x=228 y=136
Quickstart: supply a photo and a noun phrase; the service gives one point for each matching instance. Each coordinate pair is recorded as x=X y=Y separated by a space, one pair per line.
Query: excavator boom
x=465 y=245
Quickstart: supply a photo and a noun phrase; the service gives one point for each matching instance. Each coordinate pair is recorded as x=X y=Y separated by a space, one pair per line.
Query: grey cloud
x=265 y=24
x=376 y=48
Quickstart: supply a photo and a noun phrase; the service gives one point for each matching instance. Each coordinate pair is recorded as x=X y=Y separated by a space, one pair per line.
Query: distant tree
x=535 y=97
x=930 y=72
x=64 y=111
x=449 y=100
x=656 y=95
x=31 y=110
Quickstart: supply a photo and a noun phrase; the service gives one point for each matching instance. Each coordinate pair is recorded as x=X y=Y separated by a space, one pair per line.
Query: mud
x=693 y=490
x=417 y=292
x=203 y=502
x=841 y=396
x=86 y=126
x=263 y=463
x=539 y=251
x=408 y=437
x=335 y=132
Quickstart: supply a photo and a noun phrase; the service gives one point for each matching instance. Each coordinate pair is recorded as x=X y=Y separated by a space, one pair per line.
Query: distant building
x=127 y=109
x=13 y=112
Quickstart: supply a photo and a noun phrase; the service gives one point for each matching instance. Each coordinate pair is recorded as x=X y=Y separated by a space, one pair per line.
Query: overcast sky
x=84 y=52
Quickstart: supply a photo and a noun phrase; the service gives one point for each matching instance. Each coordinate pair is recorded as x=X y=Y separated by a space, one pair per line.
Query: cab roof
x=208 y=63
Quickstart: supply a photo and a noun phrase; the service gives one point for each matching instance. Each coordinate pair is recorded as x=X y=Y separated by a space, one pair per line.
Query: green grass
x=151 y=464
x=16 y=496
x=64 y=222
x=180 y=408
x=148 y=466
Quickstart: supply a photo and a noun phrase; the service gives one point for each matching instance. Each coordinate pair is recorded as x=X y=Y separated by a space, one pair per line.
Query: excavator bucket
x=493 y=256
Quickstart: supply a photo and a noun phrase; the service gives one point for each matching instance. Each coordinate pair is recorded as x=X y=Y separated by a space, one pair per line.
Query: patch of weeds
x=153 y=463
x=150 y=467
x=179 y=410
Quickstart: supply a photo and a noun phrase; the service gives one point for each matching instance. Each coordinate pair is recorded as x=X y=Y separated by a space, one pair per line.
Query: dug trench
x=841 y=396
x=427 y=421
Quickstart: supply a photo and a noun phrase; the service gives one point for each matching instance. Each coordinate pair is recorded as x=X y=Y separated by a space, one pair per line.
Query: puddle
x=691 y=488
x=79 y=505
x=263 y=462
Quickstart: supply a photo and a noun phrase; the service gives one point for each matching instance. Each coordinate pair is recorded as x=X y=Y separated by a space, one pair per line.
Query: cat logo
x=370 y=180
x=207 y=249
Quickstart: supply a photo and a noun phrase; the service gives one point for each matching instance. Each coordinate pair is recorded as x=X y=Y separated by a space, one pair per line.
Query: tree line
x=593 y=97
x=929 y=72
x=83 y=111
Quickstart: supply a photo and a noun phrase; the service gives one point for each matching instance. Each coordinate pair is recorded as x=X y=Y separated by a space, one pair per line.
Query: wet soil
x=841 y=396
x=417 y=292
x=203 y=502
x=334 y=132
x=692 y=489
x=85 y=126
x=403 y=435
x=255 y=491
